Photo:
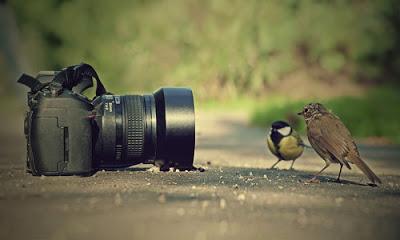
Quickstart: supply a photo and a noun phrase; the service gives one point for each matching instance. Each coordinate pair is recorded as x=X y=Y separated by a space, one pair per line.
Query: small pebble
x=222 y=203
x=180 y=211
x=339 y=201
x=204 y=204
x=162 y=198
x=241 y=197
x=117 y=199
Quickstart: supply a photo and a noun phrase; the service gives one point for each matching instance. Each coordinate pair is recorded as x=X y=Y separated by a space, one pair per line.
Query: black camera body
x=59 y=134
x=68 y=134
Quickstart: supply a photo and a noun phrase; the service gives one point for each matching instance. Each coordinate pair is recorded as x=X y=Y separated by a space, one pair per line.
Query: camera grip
x=60 y=138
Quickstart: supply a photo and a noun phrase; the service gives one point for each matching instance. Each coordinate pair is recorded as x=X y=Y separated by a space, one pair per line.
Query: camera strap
x=79 y=77
x=31 y=82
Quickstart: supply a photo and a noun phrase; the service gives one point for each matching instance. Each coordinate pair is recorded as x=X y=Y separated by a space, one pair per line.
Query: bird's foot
x=338 y=180
x=312 y=180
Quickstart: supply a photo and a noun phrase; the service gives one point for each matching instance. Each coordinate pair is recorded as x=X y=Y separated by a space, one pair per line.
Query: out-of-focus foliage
x=222 y=48
x=375 y=114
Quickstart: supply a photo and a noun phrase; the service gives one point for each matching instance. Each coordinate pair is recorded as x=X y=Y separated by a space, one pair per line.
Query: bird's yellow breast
x=289 y=148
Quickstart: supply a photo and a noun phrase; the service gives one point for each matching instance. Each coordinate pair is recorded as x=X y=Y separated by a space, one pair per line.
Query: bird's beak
x=300 y=113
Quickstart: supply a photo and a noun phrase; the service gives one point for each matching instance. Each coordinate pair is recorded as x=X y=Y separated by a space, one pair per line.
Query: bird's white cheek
x=285 y=131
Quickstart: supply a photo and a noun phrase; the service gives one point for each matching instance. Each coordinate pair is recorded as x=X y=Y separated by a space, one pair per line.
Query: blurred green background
x=263 y=57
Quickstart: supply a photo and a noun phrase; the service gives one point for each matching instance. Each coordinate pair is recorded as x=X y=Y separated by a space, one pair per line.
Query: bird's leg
x=291 y=166
x=340 y=171
x=327 y=163
x=272 y=167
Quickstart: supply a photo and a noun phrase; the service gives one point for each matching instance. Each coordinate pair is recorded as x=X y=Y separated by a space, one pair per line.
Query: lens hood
x=175 y=126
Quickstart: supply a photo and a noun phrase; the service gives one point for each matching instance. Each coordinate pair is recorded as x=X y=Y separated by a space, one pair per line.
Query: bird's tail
x=365 y=169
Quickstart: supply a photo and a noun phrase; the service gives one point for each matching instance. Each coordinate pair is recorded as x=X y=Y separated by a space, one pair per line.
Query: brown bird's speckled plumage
x=332 y=140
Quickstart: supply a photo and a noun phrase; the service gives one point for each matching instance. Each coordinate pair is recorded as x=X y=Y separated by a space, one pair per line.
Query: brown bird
x=332 y=140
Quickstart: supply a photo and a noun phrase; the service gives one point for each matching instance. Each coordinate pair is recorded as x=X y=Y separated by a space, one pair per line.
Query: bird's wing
x=338 y=135
x=271 y=146
x=314 y=134
x=331 y=137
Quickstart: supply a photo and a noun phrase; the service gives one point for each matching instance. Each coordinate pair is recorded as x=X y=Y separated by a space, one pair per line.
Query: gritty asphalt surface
x=237 y=197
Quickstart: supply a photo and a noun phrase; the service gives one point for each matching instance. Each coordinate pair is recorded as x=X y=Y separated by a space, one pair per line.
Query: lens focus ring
x=134 y=126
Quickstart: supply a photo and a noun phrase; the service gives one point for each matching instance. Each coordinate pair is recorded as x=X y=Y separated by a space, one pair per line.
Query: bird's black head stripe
x=279 y=124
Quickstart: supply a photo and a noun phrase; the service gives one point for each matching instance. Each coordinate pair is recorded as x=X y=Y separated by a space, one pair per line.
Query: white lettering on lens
x=117 y=100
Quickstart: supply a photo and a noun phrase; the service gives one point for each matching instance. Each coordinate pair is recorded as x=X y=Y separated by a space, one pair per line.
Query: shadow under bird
x=284 y=142
x=333 y=142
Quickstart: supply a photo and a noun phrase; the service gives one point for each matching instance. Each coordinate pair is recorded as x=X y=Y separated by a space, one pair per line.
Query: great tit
x=284 y=142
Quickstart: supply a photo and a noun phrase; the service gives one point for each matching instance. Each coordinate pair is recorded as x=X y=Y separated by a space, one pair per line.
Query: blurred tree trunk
x=12 y=59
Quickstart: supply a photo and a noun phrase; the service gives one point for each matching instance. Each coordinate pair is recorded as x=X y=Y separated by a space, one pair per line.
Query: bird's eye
x=306 y=110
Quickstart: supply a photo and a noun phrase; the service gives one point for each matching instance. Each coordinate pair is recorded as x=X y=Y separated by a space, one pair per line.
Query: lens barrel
x=135 y=129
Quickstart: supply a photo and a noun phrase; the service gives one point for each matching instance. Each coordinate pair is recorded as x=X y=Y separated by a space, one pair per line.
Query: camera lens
x=135 y=129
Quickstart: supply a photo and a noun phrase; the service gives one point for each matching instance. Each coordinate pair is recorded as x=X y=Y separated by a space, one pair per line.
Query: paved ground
x=236 y=198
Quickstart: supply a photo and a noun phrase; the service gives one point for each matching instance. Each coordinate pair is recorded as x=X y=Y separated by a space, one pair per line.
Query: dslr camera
x=69 y=134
